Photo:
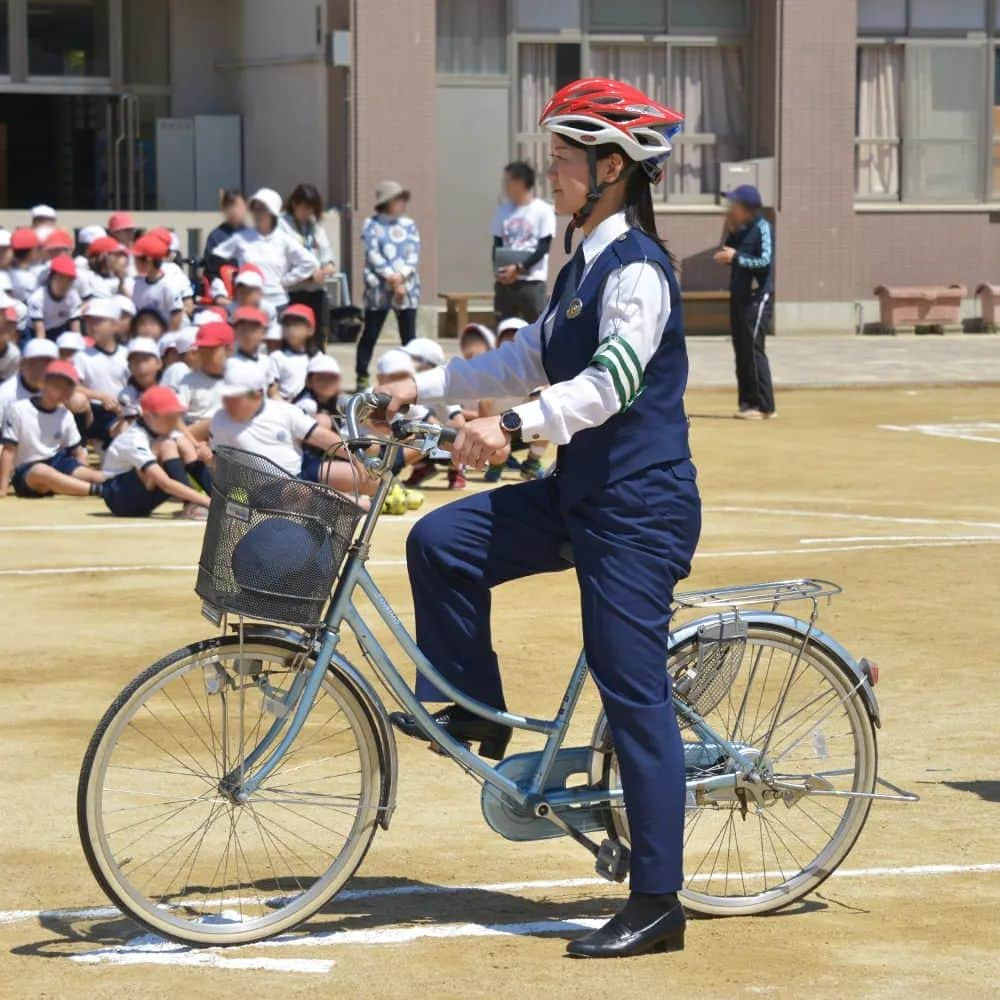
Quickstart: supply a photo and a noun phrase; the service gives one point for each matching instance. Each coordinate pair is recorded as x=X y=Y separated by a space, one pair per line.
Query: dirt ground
x=893 y=493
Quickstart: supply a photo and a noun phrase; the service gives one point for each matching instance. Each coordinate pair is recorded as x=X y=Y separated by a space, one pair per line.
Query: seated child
x=10 y=353
x=201 y=388
x=27 y=381
x=146 y=463
x=152 y=288
x=143 y=357
x=177 y=354
x=321 y=398
x=288 y=365
x=250 y=324
x=55 y=305
x=70 y=344
x=146 y=323
x=103 y=368
x=42 y=445
x=251 y=421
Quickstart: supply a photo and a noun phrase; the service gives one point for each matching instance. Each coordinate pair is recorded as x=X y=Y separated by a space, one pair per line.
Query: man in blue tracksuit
x=749 y=251
x=610 y=347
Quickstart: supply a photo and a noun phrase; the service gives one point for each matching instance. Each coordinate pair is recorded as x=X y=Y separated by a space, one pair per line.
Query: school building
x=871 y=125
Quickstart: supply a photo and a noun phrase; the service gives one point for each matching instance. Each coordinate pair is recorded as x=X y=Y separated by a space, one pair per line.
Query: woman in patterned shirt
x=392 y=255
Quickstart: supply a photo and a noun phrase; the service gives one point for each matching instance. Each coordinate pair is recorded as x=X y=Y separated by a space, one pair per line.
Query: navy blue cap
x=745 y=194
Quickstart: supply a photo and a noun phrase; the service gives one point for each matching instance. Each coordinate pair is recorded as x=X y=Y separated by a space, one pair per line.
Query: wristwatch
x=510 y=421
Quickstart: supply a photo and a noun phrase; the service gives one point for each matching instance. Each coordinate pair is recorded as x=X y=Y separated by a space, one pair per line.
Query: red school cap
x=120 y=220
x=214 y=335
x=250 y=314
x=161 y=399
x=300 y=311
x=65 y=369
x=58 y=239
x=24 y=239
x=64 y=266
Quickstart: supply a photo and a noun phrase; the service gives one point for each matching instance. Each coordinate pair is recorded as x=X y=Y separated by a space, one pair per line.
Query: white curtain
x=536 y=84
x=706 y=83
x=471 y=36
x=880 y=76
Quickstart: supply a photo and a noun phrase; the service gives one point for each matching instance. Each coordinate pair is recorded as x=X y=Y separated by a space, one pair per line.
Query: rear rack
x=754 y=594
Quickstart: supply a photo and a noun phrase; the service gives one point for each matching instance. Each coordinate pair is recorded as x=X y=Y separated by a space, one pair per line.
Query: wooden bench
x=919 y=306
x=458 y=314
x=706 y=312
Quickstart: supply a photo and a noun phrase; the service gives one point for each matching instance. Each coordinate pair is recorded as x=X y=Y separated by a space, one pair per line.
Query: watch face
x=511 y=421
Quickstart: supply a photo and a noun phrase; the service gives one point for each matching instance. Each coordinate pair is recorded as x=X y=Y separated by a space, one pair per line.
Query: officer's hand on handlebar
x=479 y=441
x=403 y=392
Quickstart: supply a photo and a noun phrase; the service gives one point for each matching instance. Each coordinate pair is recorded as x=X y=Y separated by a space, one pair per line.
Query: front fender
x=367 y=695
x=797 y=628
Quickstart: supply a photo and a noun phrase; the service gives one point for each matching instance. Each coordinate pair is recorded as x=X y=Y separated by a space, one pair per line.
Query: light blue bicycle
x=234 y=787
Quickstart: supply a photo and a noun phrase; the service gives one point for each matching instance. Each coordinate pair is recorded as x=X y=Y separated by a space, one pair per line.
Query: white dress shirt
x=635 y=307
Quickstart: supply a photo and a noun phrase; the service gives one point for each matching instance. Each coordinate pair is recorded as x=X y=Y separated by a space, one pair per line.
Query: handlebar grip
x=447 y=435
x=380 y=400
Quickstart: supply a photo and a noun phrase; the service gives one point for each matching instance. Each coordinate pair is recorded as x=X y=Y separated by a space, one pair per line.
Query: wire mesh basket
x=273 y=544
x=704 y=680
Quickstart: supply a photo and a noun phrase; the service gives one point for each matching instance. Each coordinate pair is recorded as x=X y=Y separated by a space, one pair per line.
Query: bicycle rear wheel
x=764 y=857
x=180 y=854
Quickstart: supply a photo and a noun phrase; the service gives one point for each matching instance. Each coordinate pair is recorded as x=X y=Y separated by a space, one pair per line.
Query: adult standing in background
x=303 y=221
x=233 y=206
x=749 y=252
x=392 y=256
x=282 y=260
x=523 y=227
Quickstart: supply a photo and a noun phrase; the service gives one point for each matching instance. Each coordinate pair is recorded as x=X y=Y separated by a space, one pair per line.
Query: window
x=709 y=83
x=547 y=15
x=922 y=124
x=472 y=36
x=4 y=39
x=68 y=38
x=706 y=17
x=146 y=41
x=621 y=16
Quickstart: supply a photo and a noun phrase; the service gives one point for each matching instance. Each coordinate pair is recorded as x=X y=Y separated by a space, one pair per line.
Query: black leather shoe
x=617 y=939
x=492 y=737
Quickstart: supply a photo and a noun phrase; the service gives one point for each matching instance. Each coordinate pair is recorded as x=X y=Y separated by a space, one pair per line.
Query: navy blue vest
x=654 y=429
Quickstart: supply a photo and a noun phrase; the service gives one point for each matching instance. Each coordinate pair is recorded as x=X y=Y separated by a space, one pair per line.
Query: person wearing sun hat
x=201 y=388
x=152 y=289
x=107 y=267
x=289 y=364
x=10 y=353
x=392 y=258
x=43 y=452
x=145 y=464
x=25 y=247
x=181 y=348
x=55 y=306
x=283 y=261
x=27 y=380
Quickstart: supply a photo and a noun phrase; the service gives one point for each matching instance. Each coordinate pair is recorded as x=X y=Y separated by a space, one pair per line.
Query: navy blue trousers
x=632 y=541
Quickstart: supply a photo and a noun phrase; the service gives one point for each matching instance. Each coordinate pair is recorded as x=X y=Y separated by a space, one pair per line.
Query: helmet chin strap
x=597 y=189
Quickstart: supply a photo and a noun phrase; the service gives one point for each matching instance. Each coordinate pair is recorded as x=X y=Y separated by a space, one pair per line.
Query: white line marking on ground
x=167 y=953
x=901 y=538
x=984 y=432
x=844 y=516
x=110 y=912
x=144 y=524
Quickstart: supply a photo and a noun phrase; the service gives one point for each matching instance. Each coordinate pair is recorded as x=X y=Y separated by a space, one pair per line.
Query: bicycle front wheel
x=168 y=841
x=798 y=715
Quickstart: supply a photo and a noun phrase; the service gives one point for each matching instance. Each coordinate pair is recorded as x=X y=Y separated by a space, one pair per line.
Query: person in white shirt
x=283 y=261
x=288 y=365
x=108 y=267
x=201 y=388
x=179 y=347
x=70 y=344
x=10 y=353
x=55 y=306
x=23 y=274
x=43 y=453
x=151 y=289
x=277 y=430
x=103 y=368
x=173 y=273
x=523 y=226
x=143 y=357
x=27 y=381
x=249 y=326
x=149 y=462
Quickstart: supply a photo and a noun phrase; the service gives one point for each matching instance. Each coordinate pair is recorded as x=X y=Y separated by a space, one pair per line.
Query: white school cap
x=70 y=341
x=203 y=316
x=4 y=237
x=269 y=198
x=42 y=212
x=184 y=339
x=142 y=345
x=425 y=350
x=106 y=308
x=40 y=347
x=323 y=364
x=88 y=234
x=238 y=379
x=510 y=323
x=126 y=307
x=168 y=340
x=395 y=362
x=483 y=331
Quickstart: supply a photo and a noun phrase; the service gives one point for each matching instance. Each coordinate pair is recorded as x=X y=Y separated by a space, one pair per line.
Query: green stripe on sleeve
x=633 y=377
x=612 y=366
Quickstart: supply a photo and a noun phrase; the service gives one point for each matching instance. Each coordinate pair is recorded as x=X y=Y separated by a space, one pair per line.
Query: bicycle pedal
x=612 y=860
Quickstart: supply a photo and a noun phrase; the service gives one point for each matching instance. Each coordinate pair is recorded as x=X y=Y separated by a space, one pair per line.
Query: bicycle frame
x=343 y=611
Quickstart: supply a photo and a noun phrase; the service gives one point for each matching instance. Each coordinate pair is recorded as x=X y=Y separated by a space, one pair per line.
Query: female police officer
x=610 y=346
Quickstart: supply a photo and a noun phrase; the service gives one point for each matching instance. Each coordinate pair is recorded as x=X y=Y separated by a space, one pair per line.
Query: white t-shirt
x=160 y=295
x=201 y=393
x=288 y=369
x=282 y=259
x=522 y=226
x=174 y=374
x=39 y=434
x=259 y=361
x=54 y=313
x=23 y=281
x=103 y=371
x=276 y=431
x=99 y=286
x=9 y=361
x=12 y=390
x=173 y=275
x=132 y=449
